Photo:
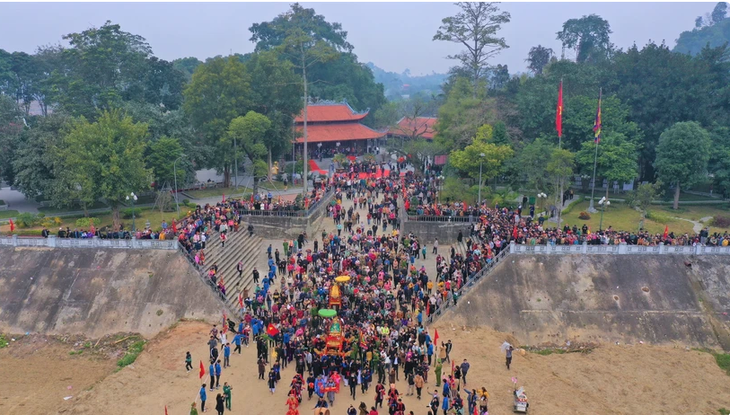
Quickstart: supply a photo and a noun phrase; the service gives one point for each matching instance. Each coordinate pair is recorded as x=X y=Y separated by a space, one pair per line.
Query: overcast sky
x=394 y=36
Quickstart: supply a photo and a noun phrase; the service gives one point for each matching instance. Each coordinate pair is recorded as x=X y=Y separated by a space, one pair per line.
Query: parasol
x=327 y=313
x=343 y=278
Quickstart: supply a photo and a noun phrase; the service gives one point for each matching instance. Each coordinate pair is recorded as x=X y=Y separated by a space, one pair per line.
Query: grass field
x=278 y=186
x=621 y=217
x=49 y=211
x=4 y=214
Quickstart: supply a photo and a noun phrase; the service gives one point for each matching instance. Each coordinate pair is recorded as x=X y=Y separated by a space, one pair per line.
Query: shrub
x=128 y=213
x=86 y=222
x=26 y=220
x=3 y=341
x=186 y=202
x=720 y=221
x=657 y=217
x=134 y=350
x=584 y=215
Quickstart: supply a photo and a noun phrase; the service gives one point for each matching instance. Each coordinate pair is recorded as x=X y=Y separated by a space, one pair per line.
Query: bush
x=584 y=215
x=28 y=232
x=657 y=217
x=720 y=221
x=134 y=350
x=572 y=204
x=26 y=220
x=2 y=202
x=86 y=222
x=49 y=222
x=3 y=341
x=186 y=202
x=128 y=213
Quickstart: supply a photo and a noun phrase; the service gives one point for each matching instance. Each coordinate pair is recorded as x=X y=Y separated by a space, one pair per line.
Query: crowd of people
x=378 y=336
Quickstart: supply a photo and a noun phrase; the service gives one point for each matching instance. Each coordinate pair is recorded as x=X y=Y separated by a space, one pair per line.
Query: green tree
x=36 y=160
x=560 y=167
x=616 y=161
x=461 y=116
x=475 y=27
x=642 y=196
x=588 y=36
x=538 y=58
x=719 y=12
x=682 y=156
x=187 y=66
x=218 y=92
x=10 y=128
x=470 y=159
x=246 y=134
x=161 y=161
x=105 y=160
x=532 y=163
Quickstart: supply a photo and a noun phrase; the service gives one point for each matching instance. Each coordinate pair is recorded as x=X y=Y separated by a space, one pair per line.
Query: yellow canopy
x=343 y=278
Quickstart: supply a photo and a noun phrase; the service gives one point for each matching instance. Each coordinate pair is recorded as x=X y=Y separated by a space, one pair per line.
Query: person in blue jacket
x=203 y=398
x=445 y=404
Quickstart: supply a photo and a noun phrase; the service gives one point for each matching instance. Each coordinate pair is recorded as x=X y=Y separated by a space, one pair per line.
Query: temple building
x=409 y=128
x=335 y=126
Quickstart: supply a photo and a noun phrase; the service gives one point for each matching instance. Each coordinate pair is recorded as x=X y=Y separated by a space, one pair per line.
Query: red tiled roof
x=318 y=133
x=423 y=127
x=330 y=112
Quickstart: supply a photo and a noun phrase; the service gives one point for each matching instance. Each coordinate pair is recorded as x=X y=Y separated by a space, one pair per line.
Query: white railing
x=54 y=242
x=623 y=249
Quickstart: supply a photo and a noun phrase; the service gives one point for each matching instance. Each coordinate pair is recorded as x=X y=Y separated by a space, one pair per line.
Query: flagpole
x=597 y=139
x=560 y=145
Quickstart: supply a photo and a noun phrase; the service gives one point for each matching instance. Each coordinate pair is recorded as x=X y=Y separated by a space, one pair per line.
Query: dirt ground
x=612 y=379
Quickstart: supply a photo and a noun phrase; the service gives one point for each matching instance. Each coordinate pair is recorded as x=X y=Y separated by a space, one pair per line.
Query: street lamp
x=481 y=161
x=133 y=199
x=604 y=203
x=174 y=170
x=540 y=197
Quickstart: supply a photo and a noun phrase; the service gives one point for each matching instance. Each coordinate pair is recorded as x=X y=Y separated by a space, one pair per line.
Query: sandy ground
x=612 y=379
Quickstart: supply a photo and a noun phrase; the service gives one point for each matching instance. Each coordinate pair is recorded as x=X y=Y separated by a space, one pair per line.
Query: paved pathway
x=17 y=201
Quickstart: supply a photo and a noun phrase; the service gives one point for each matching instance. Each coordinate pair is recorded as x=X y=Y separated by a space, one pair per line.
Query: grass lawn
x=218 y=191
x=143 y=215
x=48 y=211
x=278 y=186
x=684 y=197
x=622 y=217
x=696 y=212
x=4 y=214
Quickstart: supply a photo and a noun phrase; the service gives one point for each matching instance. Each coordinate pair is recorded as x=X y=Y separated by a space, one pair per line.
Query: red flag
x=453 y=367
x=597 y=124
x=165 y=409
x=514 y=232
x=174 y=226
x=12 y=225
x=271 y=330
x=559 y=112
x=666 y=231
x=224 y=198
x=240 y=300
x=436 y=337
x=202 y=370
x=428 y=308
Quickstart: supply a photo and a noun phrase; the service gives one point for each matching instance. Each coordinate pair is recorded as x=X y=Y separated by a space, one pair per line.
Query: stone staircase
x=239 y=247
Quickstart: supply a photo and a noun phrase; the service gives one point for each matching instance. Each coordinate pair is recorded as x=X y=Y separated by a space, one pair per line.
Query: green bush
x=723 y=360
x=584 y=215
x=572 y=204
x=2 y=202
x=26 y=220
x=28 y=232
x=186 y=202
x=657 y=217
x=128 y=213
x=86 y=222
x=132 y=353
x=3 y=341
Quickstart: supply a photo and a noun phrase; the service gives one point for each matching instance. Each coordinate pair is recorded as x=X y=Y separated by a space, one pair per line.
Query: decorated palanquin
x=335 y=339
x=335 y=295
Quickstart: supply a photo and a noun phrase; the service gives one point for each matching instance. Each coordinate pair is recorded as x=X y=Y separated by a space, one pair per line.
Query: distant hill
x=692 y=41
x=397 y=85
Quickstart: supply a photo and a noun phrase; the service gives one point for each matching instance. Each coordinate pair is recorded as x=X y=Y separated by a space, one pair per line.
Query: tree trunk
x=676 y=198
x=115 y=217
x=227 y=176
x=269 y=176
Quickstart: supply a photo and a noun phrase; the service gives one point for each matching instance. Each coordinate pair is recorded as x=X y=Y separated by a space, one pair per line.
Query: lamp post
x=604 y=203
x=174 y=170
x=133 y=199
x=481 y=161
x=541 y=196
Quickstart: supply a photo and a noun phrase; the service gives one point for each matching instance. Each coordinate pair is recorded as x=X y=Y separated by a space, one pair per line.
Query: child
x=188 y=361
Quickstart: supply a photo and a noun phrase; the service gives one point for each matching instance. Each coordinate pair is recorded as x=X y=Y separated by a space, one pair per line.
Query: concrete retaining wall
x=99 y=291
x=625 y=298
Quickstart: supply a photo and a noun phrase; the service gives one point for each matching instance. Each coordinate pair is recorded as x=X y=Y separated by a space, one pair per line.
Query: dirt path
x=610 y=380
x=697 y=226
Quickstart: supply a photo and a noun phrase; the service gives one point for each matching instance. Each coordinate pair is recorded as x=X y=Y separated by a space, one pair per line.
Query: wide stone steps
x=239 y=247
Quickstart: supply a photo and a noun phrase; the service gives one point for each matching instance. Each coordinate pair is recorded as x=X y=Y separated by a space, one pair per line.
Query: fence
x=660 y=249
x=54 y=242
x=434 y=218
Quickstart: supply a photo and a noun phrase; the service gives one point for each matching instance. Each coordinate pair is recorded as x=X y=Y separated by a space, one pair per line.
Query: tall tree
x=475 y=27
x=588 y=36
x=616 y=161
x=161 y=160
x=218 y=92
x=682 y=156
x=470 y=160
x=105 y=159
x=306 y=39
x=246 y=135
x=461 y=115
x=538 y=58
x=11 y=126
x=719 y=12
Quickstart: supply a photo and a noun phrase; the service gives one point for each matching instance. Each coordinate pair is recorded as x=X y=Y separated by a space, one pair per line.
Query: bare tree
x=476 y=28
